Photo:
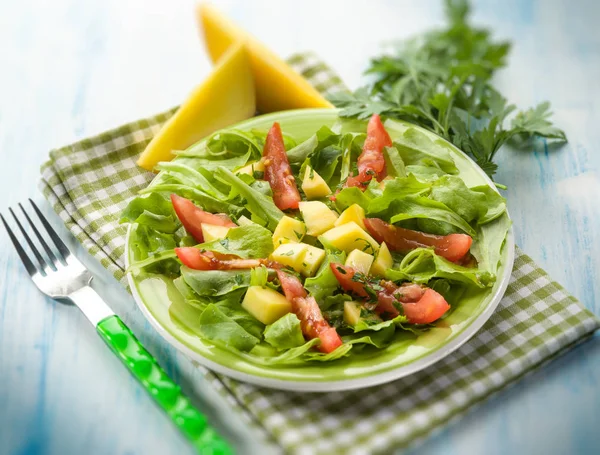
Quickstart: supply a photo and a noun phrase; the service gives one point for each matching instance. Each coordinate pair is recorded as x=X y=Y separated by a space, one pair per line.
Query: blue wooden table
x=70 y=69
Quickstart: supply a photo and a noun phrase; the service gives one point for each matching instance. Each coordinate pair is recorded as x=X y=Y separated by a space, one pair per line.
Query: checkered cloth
x=89 y=184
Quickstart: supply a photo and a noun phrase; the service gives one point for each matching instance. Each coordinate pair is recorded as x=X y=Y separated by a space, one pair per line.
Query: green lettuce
x=351 y=145
x=415 y=146
x=491 y=238
x=285 y=333
x=324 y=283
x=190 y=177
x=412 y=207
x=260 y=205
x=153 y=211
x=323 y=138
x=214 y=283
x=451 y=191
x=204 y=200
x=422 y=264
x=393 y=162
x=216 y=326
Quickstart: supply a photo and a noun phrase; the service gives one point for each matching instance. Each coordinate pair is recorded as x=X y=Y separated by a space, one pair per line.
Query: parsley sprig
x=441 y=80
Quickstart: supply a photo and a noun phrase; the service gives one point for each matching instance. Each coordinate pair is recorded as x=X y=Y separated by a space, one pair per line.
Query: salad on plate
x=301 y=251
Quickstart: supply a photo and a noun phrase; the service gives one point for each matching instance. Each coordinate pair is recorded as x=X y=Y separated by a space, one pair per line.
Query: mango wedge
x=278 y=86
x=224 y=98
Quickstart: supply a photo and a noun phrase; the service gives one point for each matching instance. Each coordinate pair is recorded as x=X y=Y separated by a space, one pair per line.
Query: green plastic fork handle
x=167 y=394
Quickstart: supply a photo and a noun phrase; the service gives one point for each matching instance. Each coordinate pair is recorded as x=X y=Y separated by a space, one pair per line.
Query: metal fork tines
x=58 y=274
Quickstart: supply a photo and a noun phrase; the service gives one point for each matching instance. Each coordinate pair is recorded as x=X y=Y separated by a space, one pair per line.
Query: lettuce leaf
x=260 y=205
x=267 y=355
x=393 y=162
x=351 y=145
x=201 y=164
x=412 y=207
x=415 y=146
x=379 y=337
x=153 y=211
x=324 y=283
x=324 y=137
x=213 y=283
x=285 y=333
x=325 y=161
x=495 y=203
x=422 y=264
x=394 y=190
x=363 y=324
x=452 y=191
x=216 y=326
x=204 y=200
x=225 y=144
x=190 y=177
x=491 y=238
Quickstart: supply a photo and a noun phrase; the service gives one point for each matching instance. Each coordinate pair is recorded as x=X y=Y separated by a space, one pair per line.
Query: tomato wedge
x=420 y=304
x=192 y=217
x=312 y=322
x=207 y=260
x=371 y=162
x=278 y=171
x=452 y=247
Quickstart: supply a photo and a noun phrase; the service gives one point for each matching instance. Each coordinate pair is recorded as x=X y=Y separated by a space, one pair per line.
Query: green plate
x=163 y=306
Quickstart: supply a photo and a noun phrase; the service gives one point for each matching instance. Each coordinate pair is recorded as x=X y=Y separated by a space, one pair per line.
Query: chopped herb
x=441 y=80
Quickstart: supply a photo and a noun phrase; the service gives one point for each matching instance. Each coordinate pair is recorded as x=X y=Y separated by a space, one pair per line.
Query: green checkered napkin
x=89 y=184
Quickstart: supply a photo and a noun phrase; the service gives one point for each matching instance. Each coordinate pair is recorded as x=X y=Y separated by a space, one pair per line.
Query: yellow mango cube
x=313 y=257
x=317 y=216
x=350 y=236
x=382 y=262
x=266 y=304
x=213 y=232
x=313 y=185
x=352 y=313
x=288 y=230
x=353 y=213
x=360 y=261
x=290 y=255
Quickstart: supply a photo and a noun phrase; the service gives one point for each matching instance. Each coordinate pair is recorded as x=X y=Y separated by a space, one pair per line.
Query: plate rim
x=342 y=384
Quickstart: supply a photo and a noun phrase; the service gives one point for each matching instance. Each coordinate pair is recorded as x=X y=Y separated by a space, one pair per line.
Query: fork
x=62 y=277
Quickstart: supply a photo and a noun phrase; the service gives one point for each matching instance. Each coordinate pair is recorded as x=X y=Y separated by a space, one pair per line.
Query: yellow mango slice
x=278 y=86
x=317 y=217
x=353 y=213
x=350 y=236
x=265 y=304
x=224 y=98
x=359 y=261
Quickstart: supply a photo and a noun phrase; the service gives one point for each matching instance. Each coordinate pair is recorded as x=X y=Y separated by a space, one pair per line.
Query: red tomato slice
x=292 y=287
x=345 y=276
x=429 y=308
x=371 y=162
x=452 y=247
x=192 y=217
x=278 y=171
x=421 y=305
x=207 y=260
x=307 y=309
